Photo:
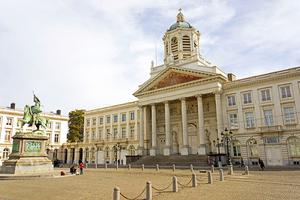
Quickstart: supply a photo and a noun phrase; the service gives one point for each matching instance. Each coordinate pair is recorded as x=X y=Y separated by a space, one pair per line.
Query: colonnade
x=184 y=150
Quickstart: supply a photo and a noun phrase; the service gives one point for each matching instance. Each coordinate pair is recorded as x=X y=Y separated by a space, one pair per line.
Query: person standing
x=261 y=164
x=81 y=166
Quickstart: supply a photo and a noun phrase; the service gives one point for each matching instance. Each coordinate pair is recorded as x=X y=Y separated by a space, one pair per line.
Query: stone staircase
x=178 y=160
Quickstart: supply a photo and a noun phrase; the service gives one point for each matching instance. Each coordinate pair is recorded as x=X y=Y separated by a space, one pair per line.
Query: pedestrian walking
x=261 y=164
x=81 y=166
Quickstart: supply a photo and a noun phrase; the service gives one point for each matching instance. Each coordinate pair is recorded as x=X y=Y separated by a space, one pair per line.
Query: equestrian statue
x=32 y=115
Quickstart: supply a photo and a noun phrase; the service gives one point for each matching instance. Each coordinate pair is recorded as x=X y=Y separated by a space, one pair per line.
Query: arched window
x=107 y=153
x=55 y=154
x=5 y=153
x=131 y=150
x=87 y=155
x=252 y=147
x=174 y=47
x=93 y=153
x=186 y=46
x=293 y=146
x=236 y=148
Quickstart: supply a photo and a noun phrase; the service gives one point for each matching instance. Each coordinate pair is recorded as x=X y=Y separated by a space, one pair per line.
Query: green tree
x=76 y=124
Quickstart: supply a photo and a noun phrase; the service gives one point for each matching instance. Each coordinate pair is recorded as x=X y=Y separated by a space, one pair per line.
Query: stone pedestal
x=28 y=155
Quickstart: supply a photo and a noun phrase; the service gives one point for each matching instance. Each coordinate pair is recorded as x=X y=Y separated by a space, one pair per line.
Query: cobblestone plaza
x=99 y=184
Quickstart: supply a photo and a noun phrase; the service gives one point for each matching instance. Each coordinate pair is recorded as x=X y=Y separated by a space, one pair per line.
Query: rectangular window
x=115 y=133
x=289 y=115
x=50 y=125
x=268 y=116
x=231 y=100
x=94 y=121
x=9 y=121
x=101 y=120
x=265 y=95
x=108 y=134
x=108 y=119
x=233 y=121
x=285 y=91
x=123 y=117
x=56 y=138
x=115 y=118
x=93 y=135
x=250 y=121
x=132 y=115
x=7 y=136
x=271 y=140
x=100 y=134
x=123 y=132
x=57 y=125
x=247 y=98
x=131 y=132
x=88 y=122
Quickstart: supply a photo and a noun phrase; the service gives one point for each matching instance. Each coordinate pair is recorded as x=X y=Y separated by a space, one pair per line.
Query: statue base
x=28 y=155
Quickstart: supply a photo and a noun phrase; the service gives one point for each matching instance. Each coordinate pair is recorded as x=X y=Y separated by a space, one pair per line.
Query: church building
x=187 y=106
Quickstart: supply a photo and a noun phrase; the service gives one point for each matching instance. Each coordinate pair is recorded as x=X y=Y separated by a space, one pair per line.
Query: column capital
x=182 y=99
x=199 y=96
x=218 y=91
x=166 y=102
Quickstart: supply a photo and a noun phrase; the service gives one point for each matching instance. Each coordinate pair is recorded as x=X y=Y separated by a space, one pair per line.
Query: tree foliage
x=76 y=124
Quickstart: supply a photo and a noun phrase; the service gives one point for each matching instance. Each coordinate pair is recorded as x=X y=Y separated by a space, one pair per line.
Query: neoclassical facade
x=10 y=123
x=187 y=103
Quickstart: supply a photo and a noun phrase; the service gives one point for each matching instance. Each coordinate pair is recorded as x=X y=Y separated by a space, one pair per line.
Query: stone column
x=219 y=112
x=201 y=129
x=69 y=158
x=184 y=148
x=153 y=148
x=76 y=155
x=136 y=128
x=141 y=133
x=127 y=124
x=167 y=129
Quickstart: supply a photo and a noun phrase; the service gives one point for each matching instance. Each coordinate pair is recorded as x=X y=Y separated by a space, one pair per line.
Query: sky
x=76 y=54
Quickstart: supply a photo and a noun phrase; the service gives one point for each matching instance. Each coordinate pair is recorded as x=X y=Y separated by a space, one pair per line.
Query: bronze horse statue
x=32 y=116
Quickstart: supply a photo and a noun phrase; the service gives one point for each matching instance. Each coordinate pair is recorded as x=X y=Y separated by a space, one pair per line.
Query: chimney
x=231 y=77
x=13 y=106
x=58 y=112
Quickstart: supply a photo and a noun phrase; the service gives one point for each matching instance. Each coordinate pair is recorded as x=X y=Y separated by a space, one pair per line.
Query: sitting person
x=62 y=173
x=72 y=170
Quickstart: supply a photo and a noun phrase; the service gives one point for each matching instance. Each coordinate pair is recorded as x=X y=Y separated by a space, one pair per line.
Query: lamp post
x=219 y=152
x=117 y=147
x=227 y=137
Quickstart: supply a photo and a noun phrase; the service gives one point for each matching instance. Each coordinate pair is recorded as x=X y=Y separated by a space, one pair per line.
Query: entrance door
x=274 y=156
x=161 y=144
x=193 y=144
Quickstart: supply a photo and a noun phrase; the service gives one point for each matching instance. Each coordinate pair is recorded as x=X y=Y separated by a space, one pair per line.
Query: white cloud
x=87 y=54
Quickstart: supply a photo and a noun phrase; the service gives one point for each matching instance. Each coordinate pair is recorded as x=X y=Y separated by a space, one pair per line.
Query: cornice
x=184 y=85
x=264 y=78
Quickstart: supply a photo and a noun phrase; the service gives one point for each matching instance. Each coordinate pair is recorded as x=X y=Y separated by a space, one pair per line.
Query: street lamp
x=117 y=148
x=227 y=137
x=219 y=152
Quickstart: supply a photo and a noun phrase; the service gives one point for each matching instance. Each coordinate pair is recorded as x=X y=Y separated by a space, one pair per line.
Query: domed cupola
x=181 y=41
x=180 y=22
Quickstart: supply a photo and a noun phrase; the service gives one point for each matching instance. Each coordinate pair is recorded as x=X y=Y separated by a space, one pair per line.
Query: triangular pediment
x=171 y=77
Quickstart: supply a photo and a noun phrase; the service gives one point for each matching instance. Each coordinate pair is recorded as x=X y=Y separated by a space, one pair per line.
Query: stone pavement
x=99 y=184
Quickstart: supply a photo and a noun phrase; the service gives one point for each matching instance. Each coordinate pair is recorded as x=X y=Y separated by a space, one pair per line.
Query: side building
x=110 y=134
x=10 y=123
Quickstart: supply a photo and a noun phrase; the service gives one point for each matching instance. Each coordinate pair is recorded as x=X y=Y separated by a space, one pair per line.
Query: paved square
x=99 y=184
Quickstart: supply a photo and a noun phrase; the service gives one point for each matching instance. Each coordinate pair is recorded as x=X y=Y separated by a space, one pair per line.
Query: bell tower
x=181 y=41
